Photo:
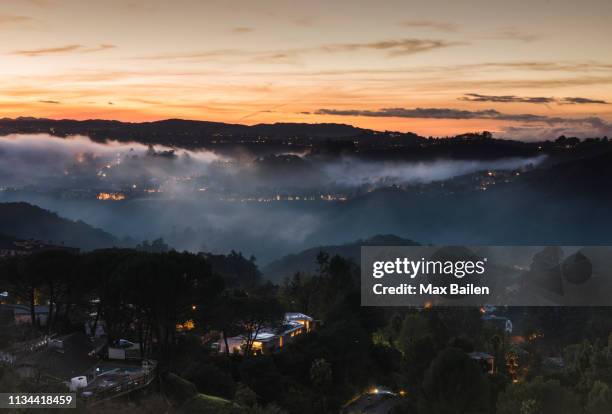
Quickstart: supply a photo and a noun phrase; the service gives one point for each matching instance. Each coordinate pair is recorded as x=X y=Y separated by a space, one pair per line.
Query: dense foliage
x=420 y=354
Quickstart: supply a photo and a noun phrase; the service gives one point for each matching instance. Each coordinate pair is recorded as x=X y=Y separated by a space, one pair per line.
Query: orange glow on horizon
x=423 y=127
x=281 y=62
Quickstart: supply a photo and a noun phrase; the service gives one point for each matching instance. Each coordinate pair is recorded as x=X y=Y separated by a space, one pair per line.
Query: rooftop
x=296 y=316
x=480 y=355
x=19 y=309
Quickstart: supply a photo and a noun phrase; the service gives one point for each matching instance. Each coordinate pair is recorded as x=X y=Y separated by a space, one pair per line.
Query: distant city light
x=110 y=196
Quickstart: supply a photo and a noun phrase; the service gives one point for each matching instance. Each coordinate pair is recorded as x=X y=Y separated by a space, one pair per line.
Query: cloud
x=541 y=83
x=476 y=97
x=354 y=173
x=549 y=66
x=242 y=29
x=304 y=21
x=11 y=19
x=514 y=34
x=194 y=219
x=393 y=48
x=573 y=101
x=277 y=57
x=497 y=68
x=47 y=101
x=430 y=24
x=48 y=50
x=594 y=123
x=41 y=3
x=62 y=49
x=435 y=113
x=98 y=48
x=540 y=133
x=59 y=161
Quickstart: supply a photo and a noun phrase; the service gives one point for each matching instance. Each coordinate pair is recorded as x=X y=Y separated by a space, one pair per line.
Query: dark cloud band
x=448 y=113
x=476 y=97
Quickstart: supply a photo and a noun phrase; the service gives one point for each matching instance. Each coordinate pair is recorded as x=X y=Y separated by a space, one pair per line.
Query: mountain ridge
x=61 y=126
x=305 y=260
x=26 y=221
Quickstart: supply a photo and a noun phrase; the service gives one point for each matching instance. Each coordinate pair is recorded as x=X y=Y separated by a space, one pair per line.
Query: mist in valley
x=205 y=201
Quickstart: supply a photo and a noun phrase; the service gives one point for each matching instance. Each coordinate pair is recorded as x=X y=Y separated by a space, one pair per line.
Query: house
x=272 y=339
x=20 y=314
x=10 y=247
x=486 y=361
x=305 y=320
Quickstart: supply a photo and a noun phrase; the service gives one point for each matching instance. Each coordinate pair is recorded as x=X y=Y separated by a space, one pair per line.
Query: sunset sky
x=523 y=68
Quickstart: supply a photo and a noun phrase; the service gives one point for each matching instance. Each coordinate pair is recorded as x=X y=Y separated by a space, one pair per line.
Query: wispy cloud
x=41 y=3
x=48 y=101
x=448 y=113
x=496 y=67
x=538 y=133
x=75 y=48
x=512 y=33
x=47 y=50
x=11 y=19
x=242 y=29
x=578 y=100
x=549 y=66
x=98 y=48
x=476 y=97
x=393 y=48
x=430 y=24
x=509 y=84
x=306 y=21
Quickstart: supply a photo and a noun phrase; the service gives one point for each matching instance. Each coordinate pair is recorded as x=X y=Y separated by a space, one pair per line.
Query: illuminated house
x=272 y=339
x=484 y=360
x=306 y=321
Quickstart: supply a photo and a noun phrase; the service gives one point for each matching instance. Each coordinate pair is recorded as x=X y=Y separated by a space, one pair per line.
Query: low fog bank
x=270 y=231
x=352 y=173
x=47 y=162
x=77 y=162
x=196 y=199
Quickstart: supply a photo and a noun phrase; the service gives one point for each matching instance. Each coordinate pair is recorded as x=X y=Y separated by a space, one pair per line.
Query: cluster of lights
x=376 y=390
x=324 y=197
x=110 y=196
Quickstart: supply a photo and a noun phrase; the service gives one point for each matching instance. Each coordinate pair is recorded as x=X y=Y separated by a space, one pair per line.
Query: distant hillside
x=588 y=176
x=305 y=261
x=25 y=221
x=318 y=139
x=177 y=132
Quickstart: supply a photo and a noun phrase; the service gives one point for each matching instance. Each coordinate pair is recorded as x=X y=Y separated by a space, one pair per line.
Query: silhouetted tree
x=454 y=384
